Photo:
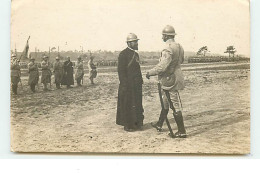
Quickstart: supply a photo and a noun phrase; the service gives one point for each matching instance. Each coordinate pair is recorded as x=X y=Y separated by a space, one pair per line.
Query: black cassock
x=129 y=105
x=68 y=74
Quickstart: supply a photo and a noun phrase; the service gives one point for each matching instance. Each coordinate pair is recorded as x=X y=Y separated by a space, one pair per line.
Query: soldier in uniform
x=92 y=70
x=33 y=74
x=68 y=73
x=79 y=71
x=171 y=79
x=15 y=73
x=46 y=73
x=58 y=72
x=129 y=106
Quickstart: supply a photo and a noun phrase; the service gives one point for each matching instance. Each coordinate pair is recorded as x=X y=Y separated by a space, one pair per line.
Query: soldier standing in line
x=15 y=73
x=92 y=70
x=58 y=72
x=79 y=71
x=46 y=73
x=68 y=73
x=171 y=80
x=129 y=105
x=33 y=74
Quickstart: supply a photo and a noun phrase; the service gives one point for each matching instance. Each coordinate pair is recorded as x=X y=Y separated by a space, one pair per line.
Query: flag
x=24 y=54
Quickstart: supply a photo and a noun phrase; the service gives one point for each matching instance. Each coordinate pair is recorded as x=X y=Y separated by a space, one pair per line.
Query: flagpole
x=58 y=51
x=15 y=51
x=35 y=52
x=49 y=52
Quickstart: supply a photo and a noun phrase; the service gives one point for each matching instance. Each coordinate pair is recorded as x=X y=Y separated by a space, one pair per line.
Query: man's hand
x=147 y=75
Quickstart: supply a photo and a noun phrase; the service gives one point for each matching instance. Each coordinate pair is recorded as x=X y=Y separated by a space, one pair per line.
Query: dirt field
x=216 y=109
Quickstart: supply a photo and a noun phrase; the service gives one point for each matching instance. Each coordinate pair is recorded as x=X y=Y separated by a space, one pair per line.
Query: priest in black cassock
x=129 y=106
x=68 y=73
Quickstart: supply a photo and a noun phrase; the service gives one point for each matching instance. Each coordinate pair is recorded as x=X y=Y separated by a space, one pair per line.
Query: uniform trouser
x=79 y=81
x=171 y=99
x=14 y=83
x=57 y=85
x=138 y=104
x=91 y=80
x=45 y=86
x=14 y=88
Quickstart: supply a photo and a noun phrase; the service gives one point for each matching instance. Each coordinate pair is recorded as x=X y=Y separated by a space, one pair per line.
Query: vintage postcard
x=130 y=76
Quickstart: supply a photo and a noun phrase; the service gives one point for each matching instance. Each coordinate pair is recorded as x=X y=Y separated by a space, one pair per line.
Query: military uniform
x=79 y=72
x=46 y=74
x=171 y=79
x=92 y=71
x=58 y=73
x=129 y=106
x=15 y=74
x=68 y=74
x=33 y=75
x=169 y=72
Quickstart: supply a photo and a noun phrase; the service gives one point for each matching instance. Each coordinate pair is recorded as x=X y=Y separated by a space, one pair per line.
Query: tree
x=230 y=50
x=202 y=51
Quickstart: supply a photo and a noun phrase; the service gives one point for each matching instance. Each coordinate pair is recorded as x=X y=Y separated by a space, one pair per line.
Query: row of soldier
x=63 y=73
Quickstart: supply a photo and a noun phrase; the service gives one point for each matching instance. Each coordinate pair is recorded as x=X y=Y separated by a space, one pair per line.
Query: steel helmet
x=131 y=37
x=168 y=30
x=13 y=55
x=32 y=58
x=57 y=58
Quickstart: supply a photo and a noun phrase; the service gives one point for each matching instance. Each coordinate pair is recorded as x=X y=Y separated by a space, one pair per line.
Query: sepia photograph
x=130 y=76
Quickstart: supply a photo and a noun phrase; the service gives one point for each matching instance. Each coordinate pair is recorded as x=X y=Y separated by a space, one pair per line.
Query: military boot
x=57 y=85
x=45 y=87
x=181 y=129
x=32 y=88
x=162 y=117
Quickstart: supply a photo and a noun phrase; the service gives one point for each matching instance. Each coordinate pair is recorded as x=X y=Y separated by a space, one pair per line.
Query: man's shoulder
x=175 y=45
x=125 y=51
x=172 y=47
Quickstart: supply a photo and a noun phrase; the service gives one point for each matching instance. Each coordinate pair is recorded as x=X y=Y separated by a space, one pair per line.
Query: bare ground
x=216 y=109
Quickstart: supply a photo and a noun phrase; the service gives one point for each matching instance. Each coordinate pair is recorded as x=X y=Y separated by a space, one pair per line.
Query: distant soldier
x=58 y=72
x=79 y=71
x=15 y=73
x=129 y=105
x=171 y=80
x=92 y=70
x=33 y=74
x=46 y=73
x=68 y=73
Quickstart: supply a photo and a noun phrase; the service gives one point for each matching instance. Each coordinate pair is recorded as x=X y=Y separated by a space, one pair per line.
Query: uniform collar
x=132 y=49
x=170 y=40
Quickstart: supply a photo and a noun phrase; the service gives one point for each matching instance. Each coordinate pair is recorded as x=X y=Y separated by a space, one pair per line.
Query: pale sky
x=104 y=24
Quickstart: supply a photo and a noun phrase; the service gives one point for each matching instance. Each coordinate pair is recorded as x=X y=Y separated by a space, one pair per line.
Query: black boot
x=57 y=85
x=181 y=129
x=45 y=87
x=32 y=87
x=92 y=81
x=78 y=82
x=162 y=117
